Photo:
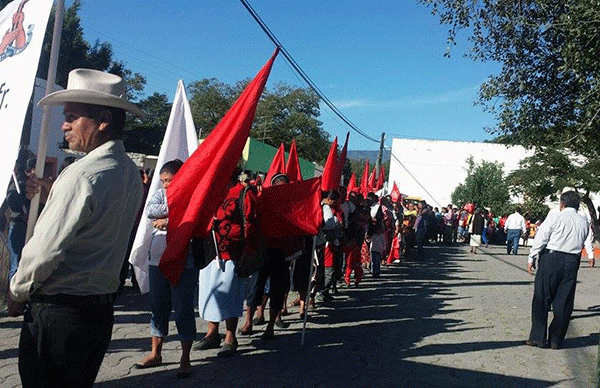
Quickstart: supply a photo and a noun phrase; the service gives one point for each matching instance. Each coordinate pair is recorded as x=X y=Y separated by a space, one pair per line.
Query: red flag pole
x=200 y=186
x=313 y=264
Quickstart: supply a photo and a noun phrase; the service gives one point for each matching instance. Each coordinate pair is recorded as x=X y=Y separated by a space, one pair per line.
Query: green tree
x=209 y=101
x=543 y=175
x=547 y=92
x=76 y=52
x=484 y=185
x=145 y=135
x=282 y=114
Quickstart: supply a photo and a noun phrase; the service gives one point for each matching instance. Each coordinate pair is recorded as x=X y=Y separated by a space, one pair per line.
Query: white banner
x=22 y=29
x=180 y=142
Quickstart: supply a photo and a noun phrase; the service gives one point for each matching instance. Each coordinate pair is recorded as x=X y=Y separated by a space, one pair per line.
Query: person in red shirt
x=221 y=292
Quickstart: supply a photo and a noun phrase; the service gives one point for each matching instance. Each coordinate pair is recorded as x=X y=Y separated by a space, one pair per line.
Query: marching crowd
x=66 y=278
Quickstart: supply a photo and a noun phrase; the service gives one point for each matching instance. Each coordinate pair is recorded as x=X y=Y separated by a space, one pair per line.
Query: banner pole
x=43 y=142
x=313 y=261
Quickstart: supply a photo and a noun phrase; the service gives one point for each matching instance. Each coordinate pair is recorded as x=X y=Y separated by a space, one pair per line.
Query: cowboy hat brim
x=90 y=97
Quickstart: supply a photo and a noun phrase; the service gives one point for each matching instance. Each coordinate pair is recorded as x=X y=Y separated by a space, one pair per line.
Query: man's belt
x=75 y=301
x=573 y=255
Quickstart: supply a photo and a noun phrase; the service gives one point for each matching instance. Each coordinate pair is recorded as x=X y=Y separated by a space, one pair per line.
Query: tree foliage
x=145 y=134
x=484 y=185
x=76 y=52
x=547 y=92
x=283 y=113
x=543 y=175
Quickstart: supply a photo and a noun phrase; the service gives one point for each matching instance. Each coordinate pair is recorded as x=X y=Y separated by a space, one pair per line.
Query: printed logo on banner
x=16 y=40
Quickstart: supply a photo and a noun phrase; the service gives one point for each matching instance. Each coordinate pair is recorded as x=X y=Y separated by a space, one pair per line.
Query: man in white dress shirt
x=514 y=228
x=69 y=269
x=557 y=246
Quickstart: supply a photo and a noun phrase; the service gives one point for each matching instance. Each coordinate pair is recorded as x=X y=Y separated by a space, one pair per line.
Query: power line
x=302 y=74
x=415 y=179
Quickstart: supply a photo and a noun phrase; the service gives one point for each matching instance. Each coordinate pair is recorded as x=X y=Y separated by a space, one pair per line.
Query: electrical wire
x=415 y=179
x=302 y=74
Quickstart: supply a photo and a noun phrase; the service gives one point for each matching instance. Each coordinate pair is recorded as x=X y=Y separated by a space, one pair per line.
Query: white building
x=432 y=169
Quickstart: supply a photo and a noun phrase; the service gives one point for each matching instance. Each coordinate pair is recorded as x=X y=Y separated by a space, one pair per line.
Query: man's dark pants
x=555 y=283
x=63 y=346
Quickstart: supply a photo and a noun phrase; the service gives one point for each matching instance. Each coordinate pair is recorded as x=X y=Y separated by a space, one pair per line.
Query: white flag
x=22 y=29
x=179 y=143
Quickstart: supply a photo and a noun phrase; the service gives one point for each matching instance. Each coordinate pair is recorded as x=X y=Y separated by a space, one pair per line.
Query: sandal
x=153 y=363
x=227 y=350
x=246 y=332
x=259 y=321
x=208 y=343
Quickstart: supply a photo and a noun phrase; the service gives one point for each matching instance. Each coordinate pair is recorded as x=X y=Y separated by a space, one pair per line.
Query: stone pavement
x=454 y=320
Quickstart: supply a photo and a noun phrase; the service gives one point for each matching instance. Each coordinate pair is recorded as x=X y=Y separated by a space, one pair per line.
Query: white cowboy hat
x=93 y=87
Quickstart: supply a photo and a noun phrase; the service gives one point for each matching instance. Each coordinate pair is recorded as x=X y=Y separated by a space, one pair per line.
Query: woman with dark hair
x=163 y=295
x=277 y=270
x=476 y=227
x=332 y=229
x=221 y=293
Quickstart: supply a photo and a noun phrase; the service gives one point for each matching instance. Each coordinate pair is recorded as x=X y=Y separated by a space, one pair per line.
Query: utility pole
x=379 y=156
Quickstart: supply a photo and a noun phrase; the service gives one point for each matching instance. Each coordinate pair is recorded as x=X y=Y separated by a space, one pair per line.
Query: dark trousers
x=278 y=271
x=555 y=283
x=62 y=346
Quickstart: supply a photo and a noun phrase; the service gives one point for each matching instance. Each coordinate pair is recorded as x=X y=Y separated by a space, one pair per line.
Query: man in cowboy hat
x=69 y=269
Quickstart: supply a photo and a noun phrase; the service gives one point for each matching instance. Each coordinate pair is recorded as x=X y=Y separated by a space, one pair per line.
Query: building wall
x=432 y=169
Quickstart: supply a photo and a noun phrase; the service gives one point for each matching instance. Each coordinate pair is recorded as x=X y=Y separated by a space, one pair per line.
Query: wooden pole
x=314 y=263
x=43 y=142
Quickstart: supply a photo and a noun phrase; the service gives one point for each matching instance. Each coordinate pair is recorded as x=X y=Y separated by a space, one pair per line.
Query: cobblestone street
x=454 y=320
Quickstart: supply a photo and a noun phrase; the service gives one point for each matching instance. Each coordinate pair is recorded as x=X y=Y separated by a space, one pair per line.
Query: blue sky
x=381 y=62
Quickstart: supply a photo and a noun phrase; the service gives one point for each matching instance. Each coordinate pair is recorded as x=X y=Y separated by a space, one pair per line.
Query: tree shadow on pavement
x=362 y=339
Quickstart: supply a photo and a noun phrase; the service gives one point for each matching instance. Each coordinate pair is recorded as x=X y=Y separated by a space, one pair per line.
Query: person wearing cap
x=69 y=269
x=557 y=247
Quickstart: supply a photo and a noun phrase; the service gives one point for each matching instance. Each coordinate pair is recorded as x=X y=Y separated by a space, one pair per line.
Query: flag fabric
x=200 y=186
x=372 y=181
x=179 y=142
x=330 y=170
x=22 y=26
x=292 y=168
x=364 y=181
x=380 y=178
x=341 y=162
x=352 y=184
x=292 y=209
x=277 y=165
x=395 y=193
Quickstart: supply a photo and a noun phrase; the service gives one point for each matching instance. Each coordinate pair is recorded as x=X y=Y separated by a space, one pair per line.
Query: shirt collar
x=110 y=147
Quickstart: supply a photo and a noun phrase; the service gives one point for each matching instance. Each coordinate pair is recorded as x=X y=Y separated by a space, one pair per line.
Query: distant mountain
x=371 y=155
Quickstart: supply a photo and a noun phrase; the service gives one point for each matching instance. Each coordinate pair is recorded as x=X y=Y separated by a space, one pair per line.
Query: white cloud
x=433 y=99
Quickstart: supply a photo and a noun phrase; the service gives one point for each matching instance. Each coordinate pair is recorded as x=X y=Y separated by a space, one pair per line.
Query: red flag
x=352 y=184
x=380 y=178
x=292 y=169
x=341 y=162
x=200 y=186
x=277 y=166
x=364 y=185
x=395 y=193
x=330 y=170
x=372 y=181
x=292 y=209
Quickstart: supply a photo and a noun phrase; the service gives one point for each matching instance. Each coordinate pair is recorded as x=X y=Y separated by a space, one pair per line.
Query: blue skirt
x=221 y=292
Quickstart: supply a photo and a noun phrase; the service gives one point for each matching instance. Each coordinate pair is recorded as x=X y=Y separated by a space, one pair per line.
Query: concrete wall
x=432 y=169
